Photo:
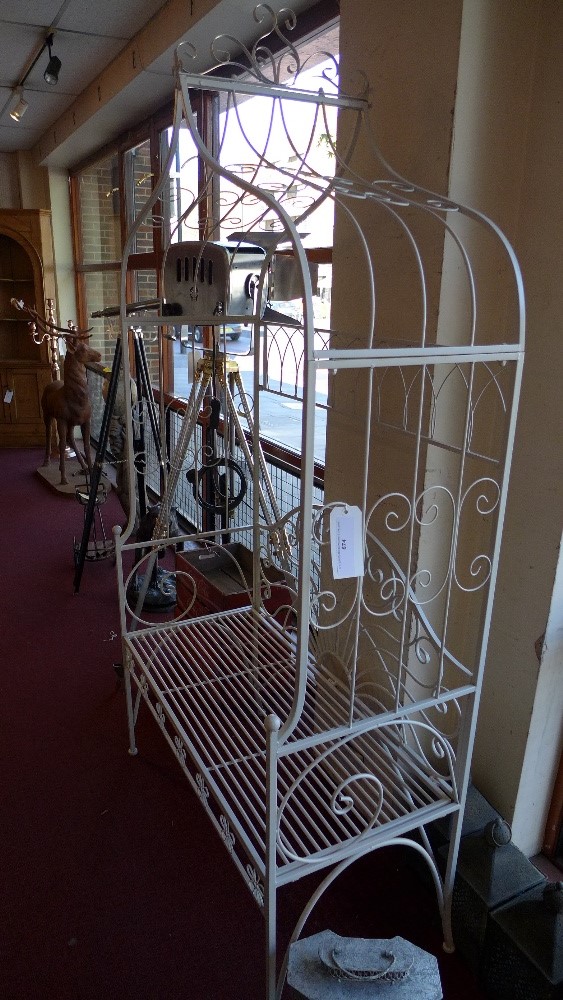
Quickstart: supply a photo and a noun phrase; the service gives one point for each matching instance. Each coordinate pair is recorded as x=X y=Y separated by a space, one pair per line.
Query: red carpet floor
x=113 y=884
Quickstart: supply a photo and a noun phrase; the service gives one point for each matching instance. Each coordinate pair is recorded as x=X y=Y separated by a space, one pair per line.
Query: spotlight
x=21 y=107
x=51 y=74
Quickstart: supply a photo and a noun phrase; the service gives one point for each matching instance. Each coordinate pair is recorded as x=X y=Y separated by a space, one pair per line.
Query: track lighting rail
x=51 y=76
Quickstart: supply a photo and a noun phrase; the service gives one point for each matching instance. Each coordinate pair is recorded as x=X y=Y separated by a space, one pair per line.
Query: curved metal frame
x=343 y=720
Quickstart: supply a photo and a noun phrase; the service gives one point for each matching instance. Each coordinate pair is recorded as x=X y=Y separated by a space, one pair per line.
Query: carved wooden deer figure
x=68 y=403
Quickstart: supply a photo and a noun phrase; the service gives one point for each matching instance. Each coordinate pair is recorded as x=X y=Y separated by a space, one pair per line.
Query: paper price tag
x=346 y=542
x=8 y=396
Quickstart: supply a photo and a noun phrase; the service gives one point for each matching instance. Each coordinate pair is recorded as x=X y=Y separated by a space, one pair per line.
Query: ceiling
x=88 y=36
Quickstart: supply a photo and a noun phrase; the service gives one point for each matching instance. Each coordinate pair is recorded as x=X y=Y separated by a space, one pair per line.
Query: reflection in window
x=99 y=203
x=102 y=292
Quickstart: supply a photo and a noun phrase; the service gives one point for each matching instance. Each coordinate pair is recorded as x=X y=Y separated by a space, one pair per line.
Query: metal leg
x=131 y=713
x=147 y=391
x=449 y=878
x=186 y=434
x=272 y=724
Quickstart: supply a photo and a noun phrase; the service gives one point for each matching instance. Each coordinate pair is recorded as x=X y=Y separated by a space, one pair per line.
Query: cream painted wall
x=526 y=39
x=411 y=63
x=48 y=189
x=22 y=184
x=62 y=243
x=544 y=744
x=34 y=182
x=9 y=181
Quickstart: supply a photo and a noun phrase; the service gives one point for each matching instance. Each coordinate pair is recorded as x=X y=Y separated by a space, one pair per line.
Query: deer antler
x=50 y=327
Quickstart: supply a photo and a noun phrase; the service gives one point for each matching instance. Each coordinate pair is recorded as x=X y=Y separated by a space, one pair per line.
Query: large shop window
x=109 y=193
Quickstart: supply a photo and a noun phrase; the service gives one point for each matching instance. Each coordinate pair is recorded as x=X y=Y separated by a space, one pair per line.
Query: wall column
x=511 y=76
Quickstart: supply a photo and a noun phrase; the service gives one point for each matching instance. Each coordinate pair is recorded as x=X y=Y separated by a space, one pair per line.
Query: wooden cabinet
x=27 y=274
x=21 y=421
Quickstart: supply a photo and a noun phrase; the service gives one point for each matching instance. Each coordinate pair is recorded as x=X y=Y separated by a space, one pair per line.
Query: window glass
x=144 y=290
x=181 y=200
x=145 y=286
x=99 y=203
x=276 y=168
x=288 y=153
x=184 y=213
x=138 y=188
x=111 y=193
x=101 y=290
x=273 y=143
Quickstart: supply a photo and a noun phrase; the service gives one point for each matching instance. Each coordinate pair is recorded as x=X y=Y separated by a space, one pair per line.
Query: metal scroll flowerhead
x=261 y=60
x=271 y=59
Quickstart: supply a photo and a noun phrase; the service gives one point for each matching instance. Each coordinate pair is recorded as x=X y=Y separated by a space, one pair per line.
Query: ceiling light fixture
x=19 y=110
x=51 y=74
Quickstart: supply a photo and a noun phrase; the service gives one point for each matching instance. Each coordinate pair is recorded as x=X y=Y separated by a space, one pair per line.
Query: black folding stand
x=145 y=397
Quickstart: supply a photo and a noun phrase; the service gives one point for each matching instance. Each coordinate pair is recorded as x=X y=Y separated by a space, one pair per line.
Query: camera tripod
x=214 y=490
x=223 y=498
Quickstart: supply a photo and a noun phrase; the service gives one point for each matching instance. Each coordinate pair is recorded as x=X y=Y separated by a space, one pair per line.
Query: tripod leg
x=98 y=465
x=148 y=395
x=267 y=499
x=146 y=398
x=187 y=431
x=261 y=460
x=139 y=443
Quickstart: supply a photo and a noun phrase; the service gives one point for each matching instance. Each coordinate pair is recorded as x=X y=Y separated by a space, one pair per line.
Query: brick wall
x=100 y=227
x=138 y=162
x=99 y=213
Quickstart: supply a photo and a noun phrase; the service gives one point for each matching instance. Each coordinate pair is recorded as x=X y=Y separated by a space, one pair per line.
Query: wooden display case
x=26 y=273
x=222 y=578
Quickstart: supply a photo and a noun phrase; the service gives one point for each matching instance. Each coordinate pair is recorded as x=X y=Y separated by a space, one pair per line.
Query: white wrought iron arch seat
x=322 y=715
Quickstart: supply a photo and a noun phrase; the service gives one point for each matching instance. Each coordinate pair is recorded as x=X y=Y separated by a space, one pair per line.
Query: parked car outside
x=195 y=333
